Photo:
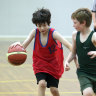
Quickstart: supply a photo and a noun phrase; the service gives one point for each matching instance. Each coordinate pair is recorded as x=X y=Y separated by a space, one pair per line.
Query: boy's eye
x=44 y=25
x=39 y=25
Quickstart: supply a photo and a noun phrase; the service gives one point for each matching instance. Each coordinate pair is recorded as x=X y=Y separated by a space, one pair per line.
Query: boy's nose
x=42 y=27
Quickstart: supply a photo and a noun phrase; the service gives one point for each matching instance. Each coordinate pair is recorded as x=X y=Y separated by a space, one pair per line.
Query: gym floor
x=20 y=80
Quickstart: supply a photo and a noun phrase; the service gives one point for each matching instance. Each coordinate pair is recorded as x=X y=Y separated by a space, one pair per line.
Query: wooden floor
x=20 y=80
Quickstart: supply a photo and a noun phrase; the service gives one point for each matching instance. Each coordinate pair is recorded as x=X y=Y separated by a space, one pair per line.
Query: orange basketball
x=16 y=55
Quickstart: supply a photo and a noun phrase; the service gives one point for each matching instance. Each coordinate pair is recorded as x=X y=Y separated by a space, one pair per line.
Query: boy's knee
x=88 y=92
x=42 y=83
x=54 y=90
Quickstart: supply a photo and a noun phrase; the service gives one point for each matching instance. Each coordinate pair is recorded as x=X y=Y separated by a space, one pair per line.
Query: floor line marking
x=36 y=92
x=12 y=81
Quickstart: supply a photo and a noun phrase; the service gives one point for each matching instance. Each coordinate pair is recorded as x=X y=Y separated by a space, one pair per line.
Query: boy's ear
x=84 y=22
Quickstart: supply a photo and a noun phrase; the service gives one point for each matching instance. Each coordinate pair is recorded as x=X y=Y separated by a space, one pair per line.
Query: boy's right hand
x=66 y=65
x=14 y=44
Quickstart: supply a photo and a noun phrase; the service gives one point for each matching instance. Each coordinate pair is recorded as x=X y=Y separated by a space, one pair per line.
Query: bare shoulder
x=94 y=34
x=56 y=35
x=33 y=32
x=29 y=38
x=74 y=35
x=94 y=38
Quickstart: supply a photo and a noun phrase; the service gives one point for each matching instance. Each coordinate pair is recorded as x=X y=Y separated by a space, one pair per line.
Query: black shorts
x=51 y=81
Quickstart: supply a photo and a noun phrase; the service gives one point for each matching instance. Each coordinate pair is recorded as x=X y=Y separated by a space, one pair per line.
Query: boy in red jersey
x=47 y=53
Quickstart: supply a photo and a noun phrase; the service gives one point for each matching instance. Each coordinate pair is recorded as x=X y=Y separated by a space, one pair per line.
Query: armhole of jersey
x=59 y=44
x=35 y=40
x=77 y=39
x=53 y=38
x=77 y=35
x=91 y=37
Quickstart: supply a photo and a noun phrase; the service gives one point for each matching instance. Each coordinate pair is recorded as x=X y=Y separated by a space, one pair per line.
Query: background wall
x=15 y=15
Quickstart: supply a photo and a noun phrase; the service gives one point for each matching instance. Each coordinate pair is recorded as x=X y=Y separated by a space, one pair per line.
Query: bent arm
x=72 y=54
x=29 y=39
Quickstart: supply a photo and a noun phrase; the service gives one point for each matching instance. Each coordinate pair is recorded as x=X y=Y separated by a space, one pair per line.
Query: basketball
x=16 y=55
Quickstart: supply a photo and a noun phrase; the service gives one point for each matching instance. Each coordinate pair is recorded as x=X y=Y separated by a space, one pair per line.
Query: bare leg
x=54 y=91
x=88 y=92
x=41 y=88
x=94 y=94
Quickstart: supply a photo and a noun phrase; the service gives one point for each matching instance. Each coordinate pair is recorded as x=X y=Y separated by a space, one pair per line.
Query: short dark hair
x=82 y=14
x=41 y=16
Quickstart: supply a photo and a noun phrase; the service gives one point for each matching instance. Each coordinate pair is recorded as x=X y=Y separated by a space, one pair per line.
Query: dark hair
x=83 y=14
x=41 y=16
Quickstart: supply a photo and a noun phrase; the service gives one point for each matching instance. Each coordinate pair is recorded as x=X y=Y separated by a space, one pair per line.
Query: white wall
x=15 y=15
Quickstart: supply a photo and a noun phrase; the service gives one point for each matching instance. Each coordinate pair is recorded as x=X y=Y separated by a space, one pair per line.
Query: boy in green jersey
x=84 y=45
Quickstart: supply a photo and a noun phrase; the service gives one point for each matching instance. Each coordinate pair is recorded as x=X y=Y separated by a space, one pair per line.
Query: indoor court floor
x=20 y=80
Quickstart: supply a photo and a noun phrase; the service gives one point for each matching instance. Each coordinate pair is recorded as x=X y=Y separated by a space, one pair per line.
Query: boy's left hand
x=66 y=66
x=92 y=54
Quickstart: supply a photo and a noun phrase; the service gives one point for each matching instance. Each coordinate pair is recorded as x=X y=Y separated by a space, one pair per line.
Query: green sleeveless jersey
x=87 y=65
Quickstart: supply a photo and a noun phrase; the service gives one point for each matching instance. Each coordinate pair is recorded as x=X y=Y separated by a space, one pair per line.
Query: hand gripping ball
x=16 y=55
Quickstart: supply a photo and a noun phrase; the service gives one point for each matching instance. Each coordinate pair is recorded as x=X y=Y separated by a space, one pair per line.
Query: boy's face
x=43 y=27
x=77 y=25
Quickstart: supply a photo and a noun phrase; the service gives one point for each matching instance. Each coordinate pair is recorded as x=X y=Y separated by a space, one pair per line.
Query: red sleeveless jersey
x=48 y=58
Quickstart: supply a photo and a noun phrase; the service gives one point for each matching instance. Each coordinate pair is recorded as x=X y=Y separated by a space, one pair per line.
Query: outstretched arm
x=27 y=40
x=72 y=54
